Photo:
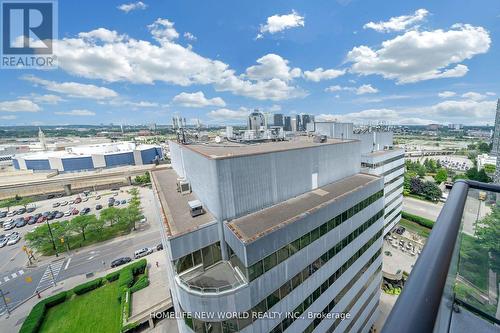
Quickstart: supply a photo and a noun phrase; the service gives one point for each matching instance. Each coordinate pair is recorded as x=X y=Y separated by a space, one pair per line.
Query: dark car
x=120 y=261
x=27 y=218
x=110 y=204
x=123 y=202
x=85 y=211
x=98 y=207
x=3 y=214
x=32 y=220
x=59 y=215
x=117 y=203
x=50 y=196
x=30 y=209
x=20 y=223
x=21 y=210
x=45 y=214
x=159 y=247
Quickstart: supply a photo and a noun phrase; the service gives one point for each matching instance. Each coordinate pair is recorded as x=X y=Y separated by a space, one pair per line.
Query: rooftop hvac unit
x=183 y=186
x=196 y=208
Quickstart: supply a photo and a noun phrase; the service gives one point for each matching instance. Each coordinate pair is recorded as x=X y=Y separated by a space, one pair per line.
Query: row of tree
x=64 y=233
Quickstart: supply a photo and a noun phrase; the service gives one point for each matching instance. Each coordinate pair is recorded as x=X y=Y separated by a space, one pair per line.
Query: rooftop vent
x=196 y=208
x=183 y=186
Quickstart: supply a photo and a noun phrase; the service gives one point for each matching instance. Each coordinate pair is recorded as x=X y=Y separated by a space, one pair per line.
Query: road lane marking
x=90 y=258
x=21 y=272
x=6 y=278
x=67 y=264
x=14 y=275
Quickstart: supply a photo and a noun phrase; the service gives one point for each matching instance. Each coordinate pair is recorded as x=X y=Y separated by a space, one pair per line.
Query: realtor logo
x=28 y=31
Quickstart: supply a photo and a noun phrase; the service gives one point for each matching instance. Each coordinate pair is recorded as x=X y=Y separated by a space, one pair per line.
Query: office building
x=256 y=120
x=278 y=119
x=287 y=123
x=277 y=227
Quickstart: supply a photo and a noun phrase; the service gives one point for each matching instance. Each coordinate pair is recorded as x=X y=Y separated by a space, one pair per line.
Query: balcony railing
x=454 y=284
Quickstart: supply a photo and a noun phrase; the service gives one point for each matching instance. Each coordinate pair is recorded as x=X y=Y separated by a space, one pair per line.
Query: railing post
x=416 y=309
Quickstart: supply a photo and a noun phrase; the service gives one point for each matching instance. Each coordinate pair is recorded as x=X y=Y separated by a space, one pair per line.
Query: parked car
x=50 y=196
x=75 y=211
x=55 y=204
x=3 y=241
x=21 y=210
x=142 y=252
x=3 y=214
x=143 y=220
x=41 y=219
x=26 y=218
x=117 y=203
x=159 y=247
x=11 y=213
x=30 y=209
x=32 y=220
x=98 y=207
x=77 y=200
x=59 y=215
x=13 y=239
x=111 y=199
x=97 y=197
x=9 y=224
x=64 y=203
x=123 y=202
x=85 y=211
x=85 y=199
x=110 y=204
x=120 y=261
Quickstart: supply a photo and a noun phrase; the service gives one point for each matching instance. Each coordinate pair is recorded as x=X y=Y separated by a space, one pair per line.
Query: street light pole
x=52 y=237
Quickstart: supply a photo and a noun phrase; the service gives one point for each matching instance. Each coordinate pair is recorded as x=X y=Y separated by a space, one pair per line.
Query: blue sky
x=403 y=62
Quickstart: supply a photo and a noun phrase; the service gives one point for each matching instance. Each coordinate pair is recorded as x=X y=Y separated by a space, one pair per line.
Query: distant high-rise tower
x=41 y=138
x=495 y=151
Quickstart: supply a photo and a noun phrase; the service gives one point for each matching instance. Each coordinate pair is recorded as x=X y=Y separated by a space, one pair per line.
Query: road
x=21 y=282
x=422 y=208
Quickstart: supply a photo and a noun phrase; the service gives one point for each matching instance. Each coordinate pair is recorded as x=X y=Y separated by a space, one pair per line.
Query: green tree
x=489 y=168
x=62 y=230
x=483 y=147
x=80 y=224
x=39 y=237
x=488 y=233
x=441 y=175
x=431 y=191
x=110 y=215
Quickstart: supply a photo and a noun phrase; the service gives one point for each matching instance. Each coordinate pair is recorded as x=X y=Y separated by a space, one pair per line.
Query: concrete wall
x=77 y=163
x=334 y=129
x=119 y=159
x=373 y=141
x=98 y=161
x=38 y=164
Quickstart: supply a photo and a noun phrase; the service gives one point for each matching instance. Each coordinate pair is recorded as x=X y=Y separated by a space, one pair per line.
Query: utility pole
x=2 y=294
x=52 y=238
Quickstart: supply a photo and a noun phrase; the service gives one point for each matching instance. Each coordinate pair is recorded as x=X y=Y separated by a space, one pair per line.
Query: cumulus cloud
x=278 y=23
x=398 y=23
x=9 y=117
x=227 y=114
x=447 y=94
x=142 y=62
x=361 y=90
x=320 y=74
x=73 y=89
x=474 y=96
x=422 y=55
x=197 y=100
x=103 y=35
x=128 y=7
x=77 y=112
x=20 y=105
x=44 y=99
x=189 y=36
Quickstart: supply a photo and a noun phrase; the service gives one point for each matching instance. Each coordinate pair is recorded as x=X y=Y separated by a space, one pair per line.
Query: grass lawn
x=95 y=311
x=415 y=228
x=473 y=264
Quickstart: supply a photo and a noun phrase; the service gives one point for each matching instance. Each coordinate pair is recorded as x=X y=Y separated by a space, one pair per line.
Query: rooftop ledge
x=250 y=227
x=219 y=278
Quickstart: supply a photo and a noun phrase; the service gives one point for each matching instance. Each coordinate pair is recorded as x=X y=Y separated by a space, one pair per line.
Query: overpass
x=421 y=153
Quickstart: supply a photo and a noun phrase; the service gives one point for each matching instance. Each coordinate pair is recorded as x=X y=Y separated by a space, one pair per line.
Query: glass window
x=324 y=286
x=296 y=280
x=338 y=220
x=285 y=289
x=316 y=294
x=307 y=302
x=294 y=247
x=230 y=326
x=331 y=224
x=331 y=253
x=259 y=308
x=314 y=234
x=244 y=322
x=213 y=327
x=286 y=322
x=306 y=272
x=208 y=258
x=324 y=258
x=270 y=261
x=198 y=326
x=255 y=270
x=344 y=216
x=216 y=252
x=197 y=258
x=323 y=229
x=277 y=329
x=272 y=299
x=305 y=240
x=185 y=263
x=283 y=254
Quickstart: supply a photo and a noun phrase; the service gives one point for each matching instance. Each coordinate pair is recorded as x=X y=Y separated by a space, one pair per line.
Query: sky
x=141 y=62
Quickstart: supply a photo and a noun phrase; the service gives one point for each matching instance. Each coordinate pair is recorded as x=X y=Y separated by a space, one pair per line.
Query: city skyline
x=205 y=65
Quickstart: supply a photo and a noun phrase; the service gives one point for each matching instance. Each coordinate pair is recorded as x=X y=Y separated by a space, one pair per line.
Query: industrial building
x=272 y=237
x=89 y=157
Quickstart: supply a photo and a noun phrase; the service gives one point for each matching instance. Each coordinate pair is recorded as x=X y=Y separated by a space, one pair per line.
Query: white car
x=68 y=212
x=3 y=241
x=13 y=239
x=142 y=252
x=64 y=203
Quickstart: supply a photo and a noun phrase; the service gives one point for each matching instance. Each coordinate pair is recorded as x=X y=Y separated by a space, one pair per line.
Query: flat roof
x=384 y=152
x=176 y=212
x=255 y=225
x=232 y=149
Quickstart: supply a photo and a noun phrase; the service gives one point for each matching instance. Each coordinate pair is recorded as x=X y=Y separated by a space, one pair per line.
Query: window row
x=329 y=308
x=372 y=311
x=392 y=220
x=379 y=164
x=290 y=249
x=396 y=198
x=393 y=170
x=397 y=188
x=393 y=180
x=206 y=256
x=237 y=324
x=393 y=210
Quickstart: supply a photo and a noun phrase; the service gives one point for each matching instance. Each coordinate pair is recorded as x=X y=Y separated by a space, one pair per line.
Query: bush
x=138 y=267
x=56 y=299
x=418 y=219
x=141 y=283
x=34 y=320
x=88 y=286
x=113 y=276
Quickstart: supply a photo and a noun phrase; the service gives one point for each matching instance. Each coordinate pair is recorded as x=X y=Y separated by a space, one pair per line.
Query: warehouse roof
x=255 y=225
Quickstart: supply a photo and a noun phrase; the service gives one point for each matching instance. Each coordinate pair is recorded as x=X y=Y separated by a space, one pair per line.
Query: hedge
x=88 y=286
x=138 y=267
x=35 y=318
x=418 y=219
x=141 y=283
x=113 y=276
x=126 y=278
